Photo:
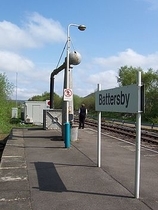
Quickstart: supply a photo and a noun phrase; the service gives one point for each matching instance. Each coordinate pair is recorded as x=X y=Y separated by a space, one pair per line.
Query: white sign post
x=99 y=136
x=126 y=99
x=138 y=139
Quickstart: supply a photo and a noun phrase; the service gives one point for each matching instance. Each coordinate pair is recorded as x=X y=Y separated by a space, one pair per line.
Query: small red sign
x=68 y=94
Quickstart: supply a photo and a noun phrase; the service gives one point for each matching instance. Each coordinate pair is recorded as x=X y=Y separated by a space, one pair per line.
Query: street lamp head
x=81 y=27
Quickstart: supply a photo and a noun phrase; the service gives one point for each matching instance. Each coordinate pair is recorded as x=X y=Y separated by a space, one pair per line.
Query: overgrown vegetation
x=6 y=104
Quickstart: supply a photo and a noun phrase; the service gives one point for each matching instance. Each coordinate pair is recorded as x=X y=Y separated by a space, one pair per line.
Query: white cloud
x=25 y=93
x=12 y=62
x=130 y=58
x=106 y=78
x=31 y=79
x=13 y=37
x=35 y=32
x=44 y=30
x=105 y=70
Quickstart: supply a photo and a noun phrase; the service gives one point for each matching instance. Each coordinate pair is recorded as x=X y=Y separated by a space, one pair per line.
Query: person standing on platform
x=82 y=116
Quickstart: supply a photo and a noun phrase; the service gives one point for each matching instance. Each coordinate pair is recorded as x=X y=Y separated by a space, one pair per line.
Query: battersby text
x=114 y=99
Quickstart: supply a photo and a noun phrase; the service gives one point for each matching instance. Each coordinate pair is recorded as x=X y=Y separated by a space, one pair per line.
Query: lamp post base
x=67 y=135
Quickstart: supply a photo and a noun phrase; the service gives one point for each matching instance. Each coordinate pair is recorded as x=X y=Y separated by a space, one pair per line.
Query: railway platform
x=38 y=172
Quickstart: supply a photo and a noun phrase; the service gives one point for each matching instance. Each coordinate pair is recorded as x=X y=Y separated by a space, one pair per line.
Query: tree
x=127 y=75
x=43 y=97
x=77 y=102
x=57 y=101
x=6 y=88
x=89 y=102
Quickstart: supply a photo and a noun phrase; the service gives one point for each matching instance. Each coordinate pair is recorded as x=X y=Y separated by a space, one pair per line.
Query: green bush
x=15 y=120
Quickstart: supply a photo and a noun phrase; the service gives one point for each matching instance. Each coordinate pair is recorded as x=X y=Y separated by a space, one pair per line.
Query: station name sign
x=119 y=99
x=122 y=99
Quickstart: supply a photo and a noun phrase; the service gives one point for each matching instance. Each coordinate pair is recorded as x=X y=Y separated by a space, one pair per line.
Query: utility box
x=33 y=111
x=14 y=112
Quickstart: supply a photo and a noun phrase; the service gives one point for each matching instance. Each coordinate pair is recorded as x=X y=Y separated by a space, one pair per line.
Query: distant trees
x=89 y=102
x=43 y=97
x=77 y=102
x=46 y=96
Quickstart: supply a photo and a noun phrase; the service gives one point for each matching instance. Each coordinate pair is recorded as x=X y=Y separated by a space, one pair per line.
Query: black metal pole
x=52 y=91
x=55 y=72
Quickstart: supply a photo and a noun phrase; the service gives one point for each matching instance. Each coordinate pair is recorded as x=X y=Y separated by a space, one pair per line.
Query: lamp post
x=67 y=123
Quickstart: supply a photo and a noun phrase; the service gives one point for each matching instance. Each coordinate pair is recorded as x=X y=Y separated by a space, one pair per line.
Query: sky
x=33 y=35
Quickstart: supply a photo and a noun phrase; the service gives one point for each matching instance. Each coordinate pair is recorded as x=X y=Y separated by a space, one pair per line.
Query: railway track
x=125 y=131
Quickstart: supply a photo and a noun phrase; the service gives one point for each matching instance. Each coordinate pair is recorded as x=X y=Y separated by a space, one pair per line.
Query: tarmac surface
x=37 y=172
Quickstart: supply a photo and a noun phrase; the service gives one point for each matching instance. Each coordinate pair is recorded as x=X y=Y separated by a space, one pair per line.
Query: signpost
x=126 y=99
x=122 y=99
x=67 y=94
x=48 y=103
